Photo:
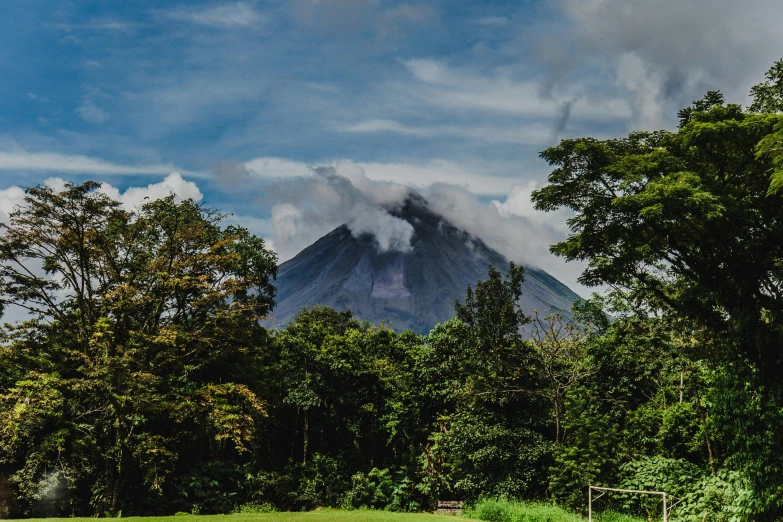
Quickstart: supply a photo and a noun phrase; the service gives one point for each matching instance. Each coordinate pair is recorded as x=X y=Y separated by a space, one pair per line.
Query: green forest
x=145 y=383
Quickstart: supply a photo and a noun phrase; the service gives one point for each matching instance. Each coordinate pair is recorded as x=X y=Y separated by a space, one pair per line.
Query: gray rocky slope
x=414 y=290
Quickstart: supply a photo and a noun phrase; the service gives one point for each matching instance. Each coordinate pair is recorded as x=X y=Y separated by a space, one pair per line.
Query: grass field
x=309 y=516
x=487 y=510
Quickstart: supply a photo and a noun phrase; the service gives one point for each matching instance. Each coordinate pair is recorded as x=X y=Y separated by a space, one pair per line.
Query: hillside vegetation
x=144 y=382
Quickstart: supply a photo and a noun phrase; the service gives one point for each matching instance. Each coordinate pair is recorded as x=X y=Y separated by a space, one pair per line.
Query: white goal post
x=666 y=509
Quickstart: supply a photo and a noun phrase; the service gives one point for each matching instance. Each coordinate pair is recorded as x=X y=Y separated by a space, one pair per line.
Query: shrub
x=501 y=510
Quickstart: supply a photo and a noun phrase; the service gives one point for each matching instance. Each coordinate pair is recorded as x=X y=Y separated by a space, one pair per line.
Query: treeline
x=154 y=390
x=143 y=382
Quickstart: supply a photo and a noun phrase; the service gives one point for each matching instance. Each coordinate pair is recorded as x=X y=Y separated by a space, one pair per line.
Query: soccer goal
x=666 y=498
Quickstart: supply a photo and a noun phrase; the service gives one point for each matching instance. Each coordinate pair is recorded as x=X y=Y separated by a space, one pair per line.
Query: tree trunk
x=682 y=383
x=706 y=433
x=304 y=438
x=556 y=399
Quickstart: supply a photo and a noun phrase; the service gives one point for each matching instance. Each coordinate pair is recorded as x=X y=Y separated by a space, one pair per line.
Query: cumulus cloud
x=133 y=197
x=13 y=197
x=520 y=238
x=665 y=54
x=10 y=198
x=130 y=198
x=518 y=203
x=312 y=205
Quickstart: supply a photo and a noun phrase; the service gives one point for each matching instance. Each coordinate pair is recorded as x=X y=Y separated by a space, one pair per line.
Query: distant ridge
x=414 y=290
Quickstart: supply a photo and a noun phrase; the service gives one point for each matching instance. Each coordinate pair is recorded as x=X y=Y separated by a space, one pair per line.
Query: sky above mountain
x=246 y=100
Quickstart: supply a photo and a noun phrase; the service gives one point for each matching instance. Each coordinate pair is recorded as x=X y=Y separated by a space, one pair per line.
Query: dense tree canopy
x=142 y=326
x=688 y=225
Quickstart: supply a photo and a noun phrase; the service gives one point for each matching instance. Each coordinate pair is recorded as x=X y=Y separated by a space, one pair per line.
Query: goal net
x=654 y=503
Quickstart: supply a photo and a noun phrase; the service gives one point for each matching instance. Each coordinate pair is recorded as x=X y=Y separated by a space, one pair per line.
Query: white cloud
x=391 y=233
x=271 y=168
x=222 y=15
x=133 y=197
x=386 y=193
x=518 y=203
x=91 y=113
x=311 y=206
x=527 y=133
x=9 y=199
x=499 y=92
x=54 y=161
x=668 y=53
x=484 y=178
x=257 y=226
x=13 y=196
x=286 y=221
x=422 y=175
x=130 y=199
x=524 y=239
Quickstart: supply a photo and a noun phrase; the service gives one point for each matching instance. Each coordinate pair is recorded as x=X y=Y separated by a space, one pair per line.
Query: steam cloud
x=314 y=205
x=310 y=206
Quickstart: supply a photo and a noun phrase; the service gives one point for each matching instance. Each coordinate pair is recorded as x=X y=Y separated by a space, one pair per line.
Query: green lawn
x=309 y=516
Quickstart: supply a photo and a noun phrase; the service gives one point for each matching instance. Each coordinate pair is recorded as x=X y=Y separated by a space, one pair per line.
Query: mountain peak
x=415 y=289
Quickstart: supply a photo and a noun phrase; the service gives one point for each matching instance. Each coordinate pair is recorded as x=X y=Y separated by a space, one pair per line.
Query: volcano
x=413 y=290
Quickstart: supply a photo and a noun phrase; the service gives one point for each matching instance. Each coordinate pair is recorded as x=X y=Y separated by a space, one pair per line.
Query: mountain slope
x=413 y=290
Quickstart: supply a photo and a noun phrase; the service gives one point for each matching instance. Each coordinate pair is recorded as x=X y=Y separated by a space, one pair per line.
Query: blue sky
x=417 y=93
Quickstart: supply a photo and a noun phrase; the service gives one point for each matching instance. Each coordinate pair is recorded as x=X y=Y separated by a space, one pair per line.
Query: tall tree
x=560 y=347
x=142 y=327
x=686 y=223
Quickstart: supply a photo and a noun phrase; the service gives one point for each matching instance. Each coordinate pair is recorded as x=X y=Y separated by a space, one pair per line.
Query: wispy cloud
x=91 y=113
x=485 y=178
x=528 y=133
x=500 y=93
x=56 y=162
x=493 y=20
x=111 y=25
x=223 y=15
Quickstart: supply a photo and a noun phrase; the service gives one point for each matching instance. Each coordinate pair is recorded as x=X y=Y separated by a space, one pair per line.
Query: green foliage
x=136 y=320
x=254 y=509
x=724 y=497
x=370 y=490
x=677 y=477
x=686 y=226
x=588 y=455
x=768 y=95
x=501 y=510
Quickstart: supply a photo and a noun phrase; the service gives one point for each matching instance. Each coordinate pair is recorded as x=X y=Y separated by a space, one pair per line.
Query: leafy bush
x=370 y=490
x=721 y=498
x=254 y=509
x=501 y=510
x=377 y=490
x=677 y=477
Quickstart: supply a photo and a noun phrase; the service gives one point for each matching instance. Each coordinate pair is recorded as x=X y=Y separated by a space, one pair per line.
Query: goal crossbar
x=663 y=494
